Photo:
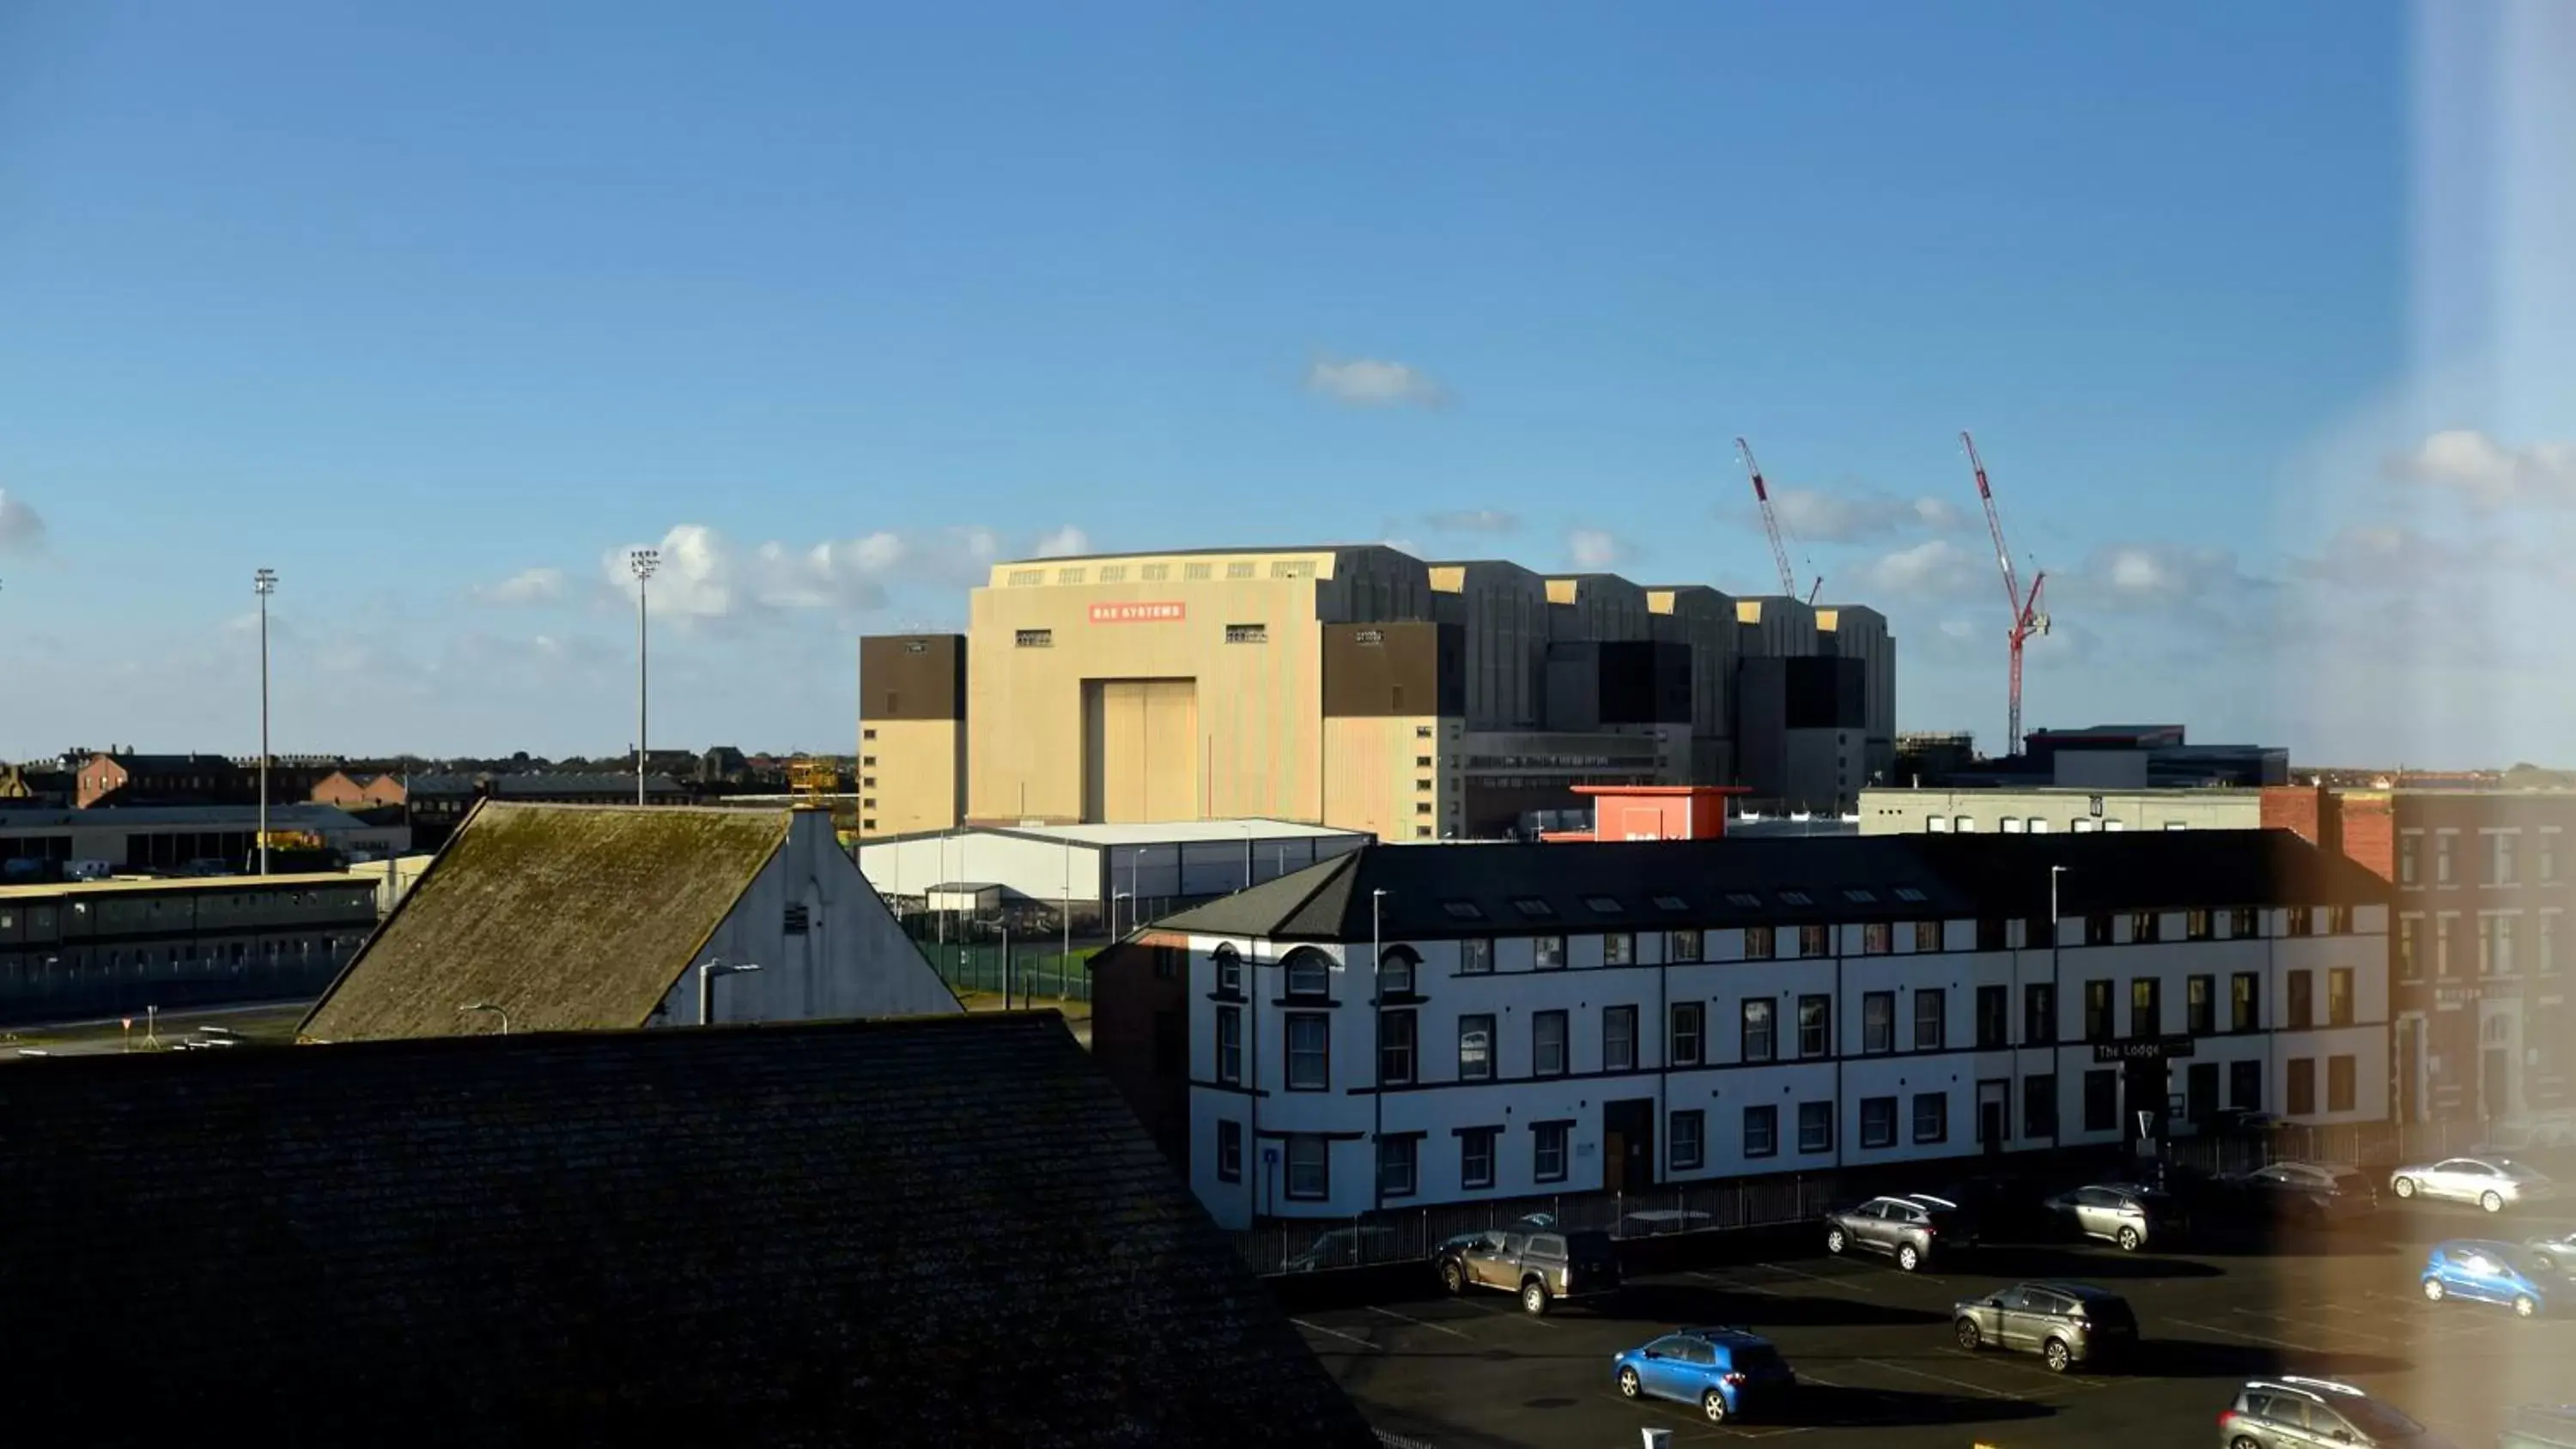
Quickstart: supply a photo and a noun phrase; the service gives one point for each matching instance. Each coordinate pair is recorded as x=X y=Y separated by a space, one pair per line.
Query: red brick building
x=2478 y=949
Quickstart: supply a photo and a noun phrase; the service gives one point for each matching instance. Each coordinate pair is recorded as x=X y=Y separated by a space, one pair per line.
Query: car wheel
x=1909 y=1257
x=2405 y=1186
x=2523 y=1306
x=2242 y=1442
x=2129 y=1240
x=1534 y=1298
x=2433 y=1290
x=2492 y=1201
x=1454 y=1278
x=1966 y=1332
x=1629 y=1387
x=2056 y=1355
x=1713 y=1404
x=1835 y=1242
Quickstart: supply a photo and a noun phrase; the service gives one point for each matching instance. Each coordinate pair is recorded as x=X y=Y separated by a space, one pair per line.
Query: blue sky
x=433 y=311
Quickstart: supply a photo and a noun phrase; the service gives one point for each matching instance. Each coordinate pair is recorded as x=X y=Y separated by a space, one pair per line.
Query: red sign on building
x=1138 y=613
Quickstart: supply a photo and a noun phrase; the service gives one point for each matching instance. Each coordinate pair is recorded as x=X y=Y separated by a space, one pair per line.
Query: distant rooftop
x=280 y=817
x=1167 y=832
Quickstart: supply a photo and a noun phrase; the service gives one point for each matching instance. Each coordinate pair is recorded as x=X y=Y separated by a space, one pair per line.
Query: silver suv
x=1910 y=1228
x=2064 y=1323
x=2296 y=1413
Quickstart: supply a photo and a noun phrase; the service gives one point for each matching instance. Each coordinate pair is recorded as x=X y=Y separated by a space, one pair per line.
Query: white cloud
x=703 y=575
x=1372 y=383
x=22 y=529
x=1595 y=549
x=2150 y=576
x=528 y=586
x=1473 y=520
x=1817 y=516
x=2489 y=474
x=1959 y=629
x=1936 y=568
x=1065 y=542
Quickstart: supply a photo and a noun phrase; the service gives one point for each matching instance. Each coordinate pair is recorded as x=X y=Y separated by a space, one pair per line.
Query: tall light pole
x=263 y=583
x=708 y=971
x=641 y=562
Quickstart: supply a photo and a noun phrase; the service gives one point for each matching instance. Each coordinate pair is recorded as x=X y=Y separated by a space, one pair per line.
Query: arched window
x=1310 y=972
x=1229 y=968
x=1396 y=967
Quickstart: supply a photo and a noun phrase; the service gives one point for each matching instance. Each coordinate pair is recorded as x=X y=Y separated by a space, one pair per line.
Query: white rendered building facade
x=1589 y=1017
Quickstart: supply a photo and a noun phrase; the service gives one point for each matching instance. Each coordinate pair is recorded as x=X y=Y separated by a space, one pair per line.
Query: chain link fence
x=1038 y=971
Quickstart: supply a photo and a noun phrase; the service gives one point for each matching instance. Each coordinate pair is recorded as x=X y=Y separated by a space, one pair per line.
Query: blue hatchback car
x=1723 y=1370
x=2487 y=1272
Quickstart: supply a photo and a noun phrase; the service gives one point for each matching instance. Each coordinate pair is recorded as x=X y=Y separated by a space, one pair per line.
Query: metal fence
x=1412 y=1235
x=1039 y=974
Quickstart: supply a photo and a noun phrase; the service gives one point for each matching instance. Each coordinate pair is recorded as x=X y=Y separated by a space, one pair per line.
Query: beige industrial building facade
x=1353 y=686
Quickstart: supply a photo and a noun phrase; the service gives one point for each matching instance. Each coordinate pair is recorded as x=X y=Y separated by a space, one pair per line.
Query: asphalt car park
x=1879 y=1364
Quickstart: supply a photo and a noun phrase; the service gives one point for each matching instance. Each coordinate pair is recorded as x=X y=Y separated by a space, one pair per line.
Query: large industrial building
x=1360 y=688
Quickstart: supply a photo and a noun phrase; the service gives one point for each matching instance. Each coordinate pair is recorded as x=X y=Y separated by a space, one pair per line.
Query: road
x=1875 y=1346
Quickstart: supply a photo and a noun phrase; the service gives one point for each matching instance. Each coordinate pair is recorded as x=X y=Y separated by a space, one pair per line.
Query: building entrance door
x=1628 y=1145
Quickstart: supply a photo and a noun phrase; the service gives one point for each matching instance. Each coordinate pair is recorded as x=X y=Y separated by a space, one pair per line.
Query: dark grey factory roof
x=244 y=817
x=506 y=787
x=924 y=1231
x=1436 y=891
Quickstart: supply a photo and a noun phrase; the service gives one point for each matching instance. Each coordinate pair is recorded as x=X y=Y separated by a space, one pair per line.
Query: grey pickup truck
x=1540 y=1268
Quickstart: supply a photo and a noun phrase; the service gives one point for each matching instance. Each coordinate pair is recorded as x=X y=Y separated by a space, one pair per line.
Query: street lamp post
x=1114 y=898
x=641 y=562
x=496 y=1010
x=708 y=971
x=263 y=583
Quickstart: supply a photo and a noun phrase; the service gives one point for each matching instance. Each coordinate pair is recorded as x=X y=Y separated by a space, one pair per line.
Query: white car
x=2490 y=1184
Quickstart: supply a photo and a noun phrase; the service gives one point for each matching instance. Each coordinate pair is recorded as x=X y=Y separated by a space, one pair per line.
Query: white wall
x=852 y=960
x=1514 y=992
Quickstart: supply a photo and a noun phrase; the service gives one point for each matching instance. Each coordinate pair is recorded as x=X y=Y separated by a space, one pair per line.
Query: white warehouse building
x=1560 y=1019
x=1095 y=871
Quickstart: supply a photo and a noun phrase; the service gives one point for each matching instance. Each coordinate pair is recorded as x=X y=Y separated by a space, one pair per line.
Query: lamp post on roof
x=474 y=1006
x=263 y=583
x=2054 y=872
x=1114 y=898
x=708 y=971
x=641 y=562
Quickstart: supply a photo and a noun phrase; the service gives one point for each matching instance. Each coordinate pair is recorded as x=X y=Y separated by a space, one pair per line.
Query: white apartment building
x=1582 y=1017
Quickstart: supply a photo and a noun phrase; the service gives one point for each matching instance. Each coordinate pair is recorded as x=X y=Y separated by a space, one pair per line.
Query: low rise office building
x=78 y=950
x=1579 y=1018
x=2047 y=809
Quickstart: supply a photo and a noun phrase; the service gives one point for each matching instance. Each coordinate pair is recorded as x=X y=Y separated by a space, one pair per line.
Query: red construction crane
x=2026 y=617
x=1771 y=526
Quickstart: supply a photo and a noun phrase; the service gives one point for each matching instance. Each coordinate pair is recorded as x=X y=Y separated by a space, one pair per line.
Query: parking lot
x=1873 y=1345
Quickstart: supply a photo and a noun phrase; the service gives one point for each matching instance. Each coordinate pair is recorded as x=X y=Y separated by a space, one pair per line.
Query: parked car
x=2488 y=1272
x=2304 y=1192
x=2291 y=1412
x=1343 y=1248
x=2121 y=1213
x=1652 y=1221
x=1908 y=1228
x=1540 y=1268
x=2064 y=1323
x=2493 y=1184
x=2553 y=1251
x=1723 y=1370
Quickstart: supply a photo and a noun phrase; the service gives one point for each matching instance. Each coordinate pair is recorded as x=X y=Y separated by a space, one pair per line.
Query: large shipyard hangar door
x=1140 y=750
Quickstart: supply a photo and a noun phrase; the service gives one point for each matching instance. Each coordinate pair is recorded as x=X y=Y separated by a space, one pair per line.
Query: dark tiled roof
x=1435 y=891
x=165 y=764
x=568 y=917
x=609 y=788
x=297 y=816
x=932 y=1231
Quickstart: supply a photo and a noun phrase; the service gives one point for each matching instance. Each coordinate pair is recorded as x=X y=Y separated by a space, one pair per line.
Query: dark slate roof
x=610 y=788
x=235 y=817
x=166 y=764
x=568 y=917
x=933 y=1231
x=1436 y=891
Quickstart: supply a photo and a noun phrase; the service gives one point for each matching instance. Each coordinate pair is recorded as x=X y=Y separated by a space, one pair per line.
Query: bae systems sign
x=1138 y=613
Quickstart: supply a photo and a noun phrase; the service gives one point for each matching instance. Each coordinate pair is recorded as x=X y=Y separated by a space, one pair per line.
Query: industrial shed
x=1086 y=870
